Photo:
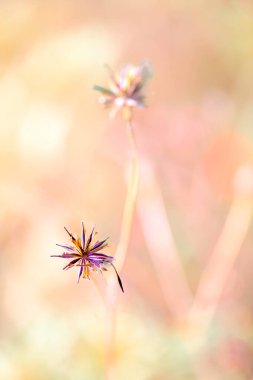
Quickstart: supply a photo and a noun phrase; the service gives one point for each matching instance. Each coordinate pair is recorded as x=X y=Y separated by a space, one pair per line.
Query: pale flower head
x=125 y=89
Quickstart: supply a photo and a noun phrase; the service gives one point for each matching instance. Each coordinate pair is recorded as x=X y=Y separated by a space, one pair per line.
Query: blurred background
x=187 y=311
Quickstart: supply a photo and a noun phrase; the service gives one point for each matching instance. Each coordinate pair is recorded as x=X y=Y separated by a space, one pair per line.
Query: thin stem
x=220 y=265
x=161 y=245
x=110 y=342
x=130 y=201
x=120 y=254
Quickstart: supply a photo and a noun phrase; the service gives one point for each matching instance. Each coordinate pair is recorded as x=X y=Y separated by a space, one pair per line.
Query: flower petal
x=103 y=90
x=66 y=255
x=80 y=272
x=72 y=237
x=69 y=249
x=119 y=279
x=98 y=249
x=90 y=238
x=98 y=244
x=83 y=236
x=71 y=264
x=86 y=272
x=100 y=256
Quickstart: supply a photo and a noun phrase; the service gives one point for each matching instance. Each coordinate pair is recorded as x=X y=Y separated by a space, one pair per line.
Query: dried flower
x=87 y=256
x=125 y=89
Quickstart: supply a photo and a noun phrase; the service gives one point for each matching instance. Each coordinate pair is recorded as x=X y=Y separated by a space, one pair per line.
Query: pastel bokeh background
x=187 y=311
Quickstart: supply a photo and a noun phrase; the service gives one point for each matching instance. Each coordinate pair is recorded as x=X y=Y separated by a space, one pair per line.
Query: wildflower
x=87 y=256
x=125 y=89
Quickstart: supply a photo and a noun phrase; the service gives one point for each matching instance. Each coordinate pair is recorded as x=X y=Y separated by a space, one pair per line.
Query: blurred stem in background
x=216 y=274
x=130 y=201
x=121 y=250
x=197 y=312
x=161 y=245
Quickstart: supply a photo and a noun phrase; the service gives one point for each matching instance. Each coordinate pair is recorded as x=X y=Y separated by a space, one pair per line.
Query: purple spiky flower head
x=125 y=89
x=87 y=255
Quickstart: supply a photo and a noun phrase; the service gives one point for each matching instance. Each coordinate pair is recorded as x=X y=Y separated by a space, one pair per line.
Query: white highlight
x=42 y=132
